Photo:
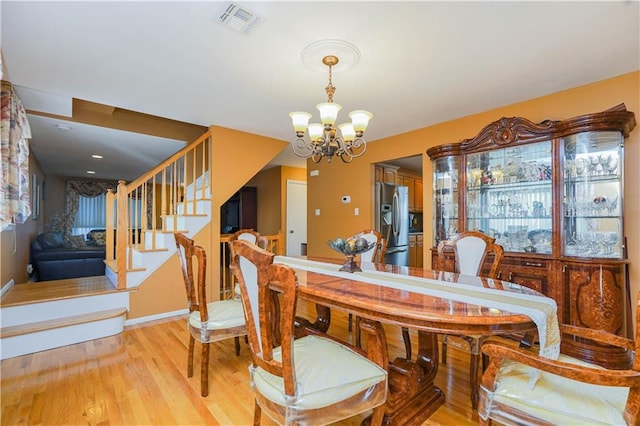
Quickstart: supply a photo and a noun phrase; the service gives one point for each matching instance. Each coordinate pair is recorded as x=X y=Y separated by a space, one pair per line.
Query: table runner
x=542 y=310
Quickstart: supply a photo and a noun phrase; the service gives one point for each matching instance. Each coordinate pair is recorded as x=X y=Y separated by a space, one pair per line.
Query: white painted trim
x=156 y=317
x=7 y=287
x=57 y=337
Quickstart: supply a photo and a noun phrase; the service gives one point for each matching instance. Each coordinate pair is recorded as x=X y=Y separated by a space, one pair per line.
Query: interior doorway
x=296 y=232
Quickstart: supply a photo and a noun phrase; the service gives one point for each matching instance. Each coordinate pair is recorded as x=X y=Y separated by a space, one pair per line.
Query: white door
x=296 y=216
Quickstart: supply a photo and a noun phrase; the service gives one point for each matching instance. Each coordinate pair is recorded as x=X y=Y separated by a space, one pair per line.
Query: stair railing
x=150 y=204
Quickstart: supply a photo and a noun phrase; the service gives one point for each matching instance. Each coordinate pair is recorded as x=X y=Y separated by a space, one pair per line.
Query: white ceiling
x=421 y=62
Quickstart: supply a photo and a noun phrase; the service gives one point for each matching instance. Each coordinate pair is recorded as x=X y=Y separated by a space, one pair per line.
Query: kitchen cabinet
x=551 y=194
x=416 y=250
x=386 y=173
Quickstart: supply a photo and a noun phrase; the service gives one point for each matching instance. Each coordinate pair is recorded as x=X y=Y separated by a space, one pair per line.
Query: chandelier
x=324 y=140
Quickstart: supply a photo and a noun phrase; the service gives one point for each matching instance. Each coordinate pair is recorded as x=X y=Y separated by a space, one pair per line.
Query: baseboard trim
x=7 y=287
x=156 y=317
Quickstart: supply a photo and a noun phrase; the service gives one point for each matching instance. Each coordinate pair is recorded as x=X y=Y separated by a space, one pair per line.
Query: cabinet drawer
x=534 y=273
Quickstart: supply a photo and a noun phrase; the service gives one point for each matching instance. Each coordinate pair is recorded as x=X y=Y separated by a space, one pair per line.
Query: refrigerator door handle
x=396 y=214
x=396 y=250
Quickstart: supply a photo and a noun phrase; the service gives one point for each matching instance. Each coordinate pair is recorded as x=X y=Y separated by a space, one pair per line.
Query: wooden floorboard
x=34 y=292
x=139 y=378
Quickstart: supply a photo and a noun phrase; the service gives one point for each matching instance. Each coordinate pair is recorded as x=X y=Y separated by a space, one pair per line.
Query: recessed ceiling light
x=96 y=156
x=63 y=127
x=91 y=172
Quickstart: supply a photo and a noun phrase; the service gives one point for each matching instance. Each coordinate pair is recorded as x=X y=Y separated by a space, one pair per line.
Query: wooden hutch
x=552 y=195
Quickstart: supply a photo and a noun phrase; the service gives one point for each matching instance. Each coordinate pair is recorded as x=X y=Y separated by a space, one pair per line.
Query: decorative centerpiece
x=350 y=248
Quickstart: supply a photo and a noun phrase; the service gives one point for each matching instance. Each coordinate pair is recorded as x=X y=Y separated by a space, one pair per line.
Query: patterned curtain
x=15 y=199
x=76 y=188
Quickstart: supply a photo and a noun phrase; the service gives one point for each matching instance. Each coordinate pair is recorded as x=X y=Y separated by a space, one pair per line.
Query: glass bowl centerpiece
x=350 y=248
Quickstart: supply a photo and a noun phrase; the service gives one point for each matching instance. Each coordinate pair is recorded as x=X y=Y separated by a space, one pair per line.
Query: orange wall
x=356 y=179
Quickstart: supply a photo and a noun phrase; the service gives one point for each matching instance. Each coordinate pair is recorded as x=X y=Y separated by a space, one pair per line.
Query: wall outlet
x=317 y=212
x=314 y=173
x=356 y=211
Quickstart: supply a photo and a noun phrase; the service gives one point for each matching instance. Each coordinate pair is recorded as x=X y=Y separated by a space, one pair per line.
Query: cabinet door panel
x=596 y=296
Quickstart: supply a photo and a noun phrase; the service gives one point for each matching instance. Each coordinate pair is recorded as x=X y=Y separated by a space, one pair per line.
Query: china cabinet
x=552 y=195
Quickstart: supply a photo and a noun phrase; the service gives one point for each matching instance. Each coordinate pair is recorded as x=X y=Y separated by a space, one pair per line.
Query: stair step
x=35 y=327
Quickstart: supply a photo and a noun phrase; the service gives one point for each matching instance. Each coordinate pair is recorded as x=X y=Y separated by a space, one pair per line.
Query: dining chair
x=313 y=379
x=250 y=235
x=567 y=390
x=470 y=250
x=207 y=321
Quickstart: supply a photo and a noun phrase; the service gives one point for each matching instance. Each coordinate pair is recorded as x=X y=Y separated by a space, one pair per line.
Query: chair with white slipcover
x=207 y=322
x=313 y=379
x=567 y=390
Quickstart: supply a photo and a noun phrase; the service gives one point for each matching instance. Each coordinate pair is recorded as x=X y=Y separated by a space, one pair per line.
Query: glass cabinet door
x=445 y=198
x=509 y=196
x=592 y=195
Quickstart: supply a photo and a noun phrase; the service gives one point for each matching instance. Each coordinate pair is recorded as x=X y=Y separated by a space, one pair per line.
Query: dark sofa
x=55 y=258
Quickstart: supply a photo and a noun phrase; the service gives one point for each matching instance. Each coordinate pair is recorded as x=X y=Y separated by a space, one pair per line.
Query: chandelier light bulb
x=347 y=131
x=328 y=112
x=300 y=121
x=360 y=120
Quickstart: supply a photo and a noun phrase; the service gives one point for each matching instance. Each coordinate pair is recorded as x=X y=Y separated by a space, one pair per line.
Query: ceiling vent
x=237 y=17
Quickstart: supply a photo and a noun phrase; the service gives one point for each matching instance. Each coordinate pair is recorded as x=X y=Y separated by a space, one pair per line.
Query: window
x=92 y=213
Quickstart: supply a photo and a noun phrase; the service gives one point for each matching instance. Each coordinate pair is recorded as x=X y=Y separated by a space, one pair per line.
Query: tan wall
x=164 y=290
x=267 y=185
x=356 y=179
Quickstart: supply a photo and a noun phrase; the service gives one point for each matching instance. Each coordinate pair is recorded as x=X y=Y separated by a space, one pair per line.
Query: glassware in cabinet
x=509 y=196
x=445 y=198
x=592 y=201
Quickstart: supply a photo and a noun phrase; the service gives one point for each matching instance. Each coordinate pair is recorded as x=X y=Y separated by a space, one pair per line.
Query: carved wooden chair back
x=471 y=249
x=207 y=321
x=567 y=390
x=378 y=251
x=309 y=380
x=251 y=236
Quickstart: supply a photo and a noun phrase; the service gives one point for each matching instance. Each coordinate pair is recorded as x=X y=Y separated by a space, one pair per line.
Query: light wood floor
x=139 y=378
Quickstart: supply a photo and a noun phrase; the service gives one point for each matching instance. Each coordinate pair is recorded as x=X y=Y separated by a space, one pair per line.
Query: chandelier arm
x=302 y=148
x=354 y=147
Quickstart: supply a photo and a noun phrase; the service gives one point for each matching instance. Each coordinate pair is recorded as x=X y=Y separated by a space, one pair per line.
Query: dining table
x=430 y=302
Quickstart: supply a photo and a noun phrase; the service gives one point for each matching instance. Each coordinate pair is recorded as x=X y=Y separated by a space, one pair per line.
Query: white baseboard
x=156 y=317
x=7 y=287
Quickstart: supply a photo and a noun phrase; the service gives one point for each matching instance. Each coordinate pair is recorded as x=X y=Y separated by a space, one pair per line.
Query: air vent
x=237 y=17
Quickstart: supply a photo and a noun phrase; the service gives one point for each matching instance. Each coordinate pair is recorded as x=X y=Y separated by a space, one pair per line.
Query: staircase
x=174 y=196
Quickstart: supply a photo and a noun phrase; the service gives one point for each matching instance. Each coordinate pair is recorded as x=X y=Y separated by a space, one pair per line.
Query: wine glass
x=594 y=162
x=611 y=165
x=611 y=203
x=610 y=240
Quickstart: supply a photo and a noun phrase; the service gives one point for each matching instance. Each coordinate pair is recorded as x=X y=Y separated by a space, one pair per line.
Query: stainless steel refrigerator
x=392 y=221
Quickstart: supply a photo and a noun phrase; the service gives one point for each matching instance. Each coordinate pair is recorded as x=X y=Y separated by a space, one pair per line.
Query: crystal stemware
x=611 y=165
x=611 y=203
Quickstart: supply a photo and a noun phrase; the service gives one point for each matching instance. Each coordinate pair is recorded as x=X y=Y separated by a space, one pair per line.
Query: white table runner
x=541 y=310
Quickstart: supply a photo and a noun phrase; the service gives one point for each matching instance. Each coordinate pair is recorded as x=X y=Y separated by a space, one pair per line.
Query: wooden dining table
x=412 y=396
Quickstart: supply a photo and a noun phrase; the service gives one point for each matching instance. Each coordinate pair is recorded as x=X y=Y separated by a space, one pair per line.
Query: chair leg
x=444 y=349
x=192 y=342
x=473 y=380
x=236 y=340
x=378 y=415
x=257 y=413
x=204 y=370
x=358 y=333
x=407 y=342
